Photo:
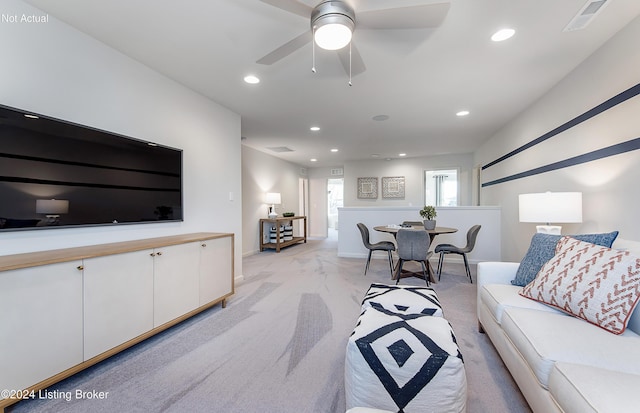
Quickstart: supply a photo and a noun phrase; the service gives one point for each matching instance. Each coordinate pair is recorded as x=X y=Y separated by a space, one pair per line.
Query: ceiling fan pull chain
x=313 y=51
x=350 y=84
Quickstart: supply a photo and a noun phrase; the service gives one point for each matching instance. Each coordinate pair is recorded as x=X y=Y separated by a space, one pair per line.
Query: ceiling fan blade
x=412 y=17
x=286 y=49
x=292 y=6
x=357 y=64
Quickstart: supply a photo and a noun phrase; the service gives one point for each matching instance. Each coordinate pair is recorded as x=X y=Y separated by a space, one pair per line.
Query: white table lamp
x=273 y=198
x=550 y=207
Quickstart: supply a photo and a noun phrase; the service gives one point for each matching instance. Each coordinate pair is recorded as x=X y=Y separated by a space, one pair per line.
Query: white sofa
x=560 y=363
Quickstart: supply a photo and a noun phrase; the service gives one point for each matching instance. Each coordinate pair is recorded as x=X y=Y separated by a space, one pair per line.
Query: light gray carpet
x=279 y=345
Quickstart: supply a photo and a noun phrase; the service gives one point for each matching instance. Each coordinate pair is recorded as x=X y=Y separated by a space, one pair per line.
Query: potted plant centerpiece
x=428 y=213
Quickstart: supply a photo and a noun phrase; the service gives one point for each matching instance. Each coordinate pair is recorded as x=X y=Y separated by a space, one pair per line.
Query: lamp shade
x=551 y=207
x=273 y=198
x=52 y=206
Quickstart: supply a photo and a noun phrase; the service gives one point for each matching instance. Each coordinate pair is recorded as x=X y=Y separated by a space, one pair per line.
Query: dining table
x=393 y=229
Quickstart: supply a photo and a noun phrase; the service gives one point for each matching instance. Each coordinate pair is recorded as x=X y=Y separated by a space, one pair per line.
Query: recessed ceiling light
x=502 y=34
x=402 y=154
x=334 y=150
x=380 y=117
x=462 y=113
x=31 y=116
x=313 y=160
x=375 y=155
x=251 y=79
x=314 y=128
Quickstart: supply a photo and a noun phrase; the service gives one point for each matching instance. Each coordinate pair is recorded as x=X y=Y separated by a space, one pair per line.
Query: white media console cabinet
x=62 y=311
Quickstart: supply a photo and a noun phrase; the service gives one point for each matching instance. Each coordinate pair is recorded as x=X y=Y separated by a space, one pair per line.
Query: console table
x=67 y=309
x=278 y=223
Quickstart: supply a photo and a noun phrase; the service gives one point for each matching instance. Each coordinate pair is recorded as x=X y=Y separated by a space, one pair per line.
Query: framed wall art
x=368 y=188
x=393 y=187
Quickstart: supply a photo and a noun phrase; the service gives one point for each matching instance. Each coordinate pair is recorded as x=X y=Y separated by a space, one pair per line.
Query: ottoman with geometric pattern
x=403 y=299
x=404 y=362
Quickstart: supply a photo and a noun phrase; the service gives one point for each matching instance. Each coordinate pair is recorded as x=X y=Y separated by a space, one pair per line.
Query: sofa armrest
x=494 y=272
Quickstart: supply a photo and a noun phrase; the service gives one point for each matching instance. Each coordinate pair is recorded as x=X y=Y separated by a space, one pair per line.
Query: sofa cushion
x=544 y=338
x=579 y=389
x=497 y=297
x=626 y=245
x=598 y=284
x=543 y=248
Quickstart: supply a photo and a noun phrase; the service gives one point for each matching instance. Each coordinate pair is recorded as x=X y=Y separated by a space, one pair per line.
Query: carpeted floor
x=279 y=346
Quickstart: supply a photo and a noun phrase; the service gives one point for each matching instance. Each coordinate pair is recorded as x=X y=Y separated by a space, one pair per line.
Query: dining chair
x=413 y=245
x=378 y=246
x=443 y=249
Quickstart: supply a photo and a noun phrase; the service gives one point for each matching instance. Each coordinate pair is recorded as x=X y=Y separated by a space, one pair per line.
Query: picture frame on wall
x=393 y=187
x=368 y=188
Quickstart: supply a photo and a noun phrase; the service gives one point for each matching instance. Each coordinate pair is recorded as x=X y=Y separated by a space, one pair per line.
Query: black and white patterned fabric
x=404 y=363
x=403 y=299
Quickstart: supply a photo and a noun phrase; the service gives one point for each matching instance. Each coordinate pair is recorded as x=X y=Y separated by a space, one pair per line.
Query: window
x=441 y=187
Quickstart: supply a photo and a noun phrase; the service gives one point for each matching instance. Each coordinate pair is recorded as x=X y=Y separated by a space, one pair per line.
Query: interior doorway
x=335 y=195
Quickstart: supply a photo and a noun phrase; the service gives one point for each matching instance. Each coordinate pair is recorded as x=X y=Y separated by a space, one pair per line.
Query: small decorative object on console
x=288 y=214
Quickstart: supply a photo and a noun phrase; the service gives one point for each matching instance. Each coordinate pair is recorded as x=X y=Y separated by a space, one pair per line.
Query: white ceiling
x=420 y=78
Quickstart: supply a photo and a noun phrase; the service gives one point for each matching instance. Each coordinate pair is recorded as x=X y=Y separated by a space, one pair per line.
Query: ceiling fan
x=341 y=16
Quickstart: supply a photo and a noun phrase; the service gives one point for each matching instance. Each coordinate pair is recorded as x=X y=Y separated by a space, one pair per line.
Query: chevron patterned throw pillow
x=598 y=284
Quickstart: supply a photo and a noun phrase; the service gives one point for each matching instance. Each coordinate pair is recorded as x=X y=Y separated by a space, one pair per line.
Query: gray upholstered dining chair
x=378 y=246
x=443 y=249
x=413 y=245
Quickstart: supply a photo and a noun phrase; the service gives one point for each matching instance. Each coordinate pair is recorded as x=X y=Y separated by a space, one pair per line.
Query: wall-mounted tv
x=57 y=174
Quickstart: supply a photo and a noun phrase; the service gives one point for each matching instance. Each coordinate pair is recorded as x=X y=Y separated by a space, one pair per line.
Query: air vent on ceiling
x=280 y=149
x=586 y=15
x=337 y=172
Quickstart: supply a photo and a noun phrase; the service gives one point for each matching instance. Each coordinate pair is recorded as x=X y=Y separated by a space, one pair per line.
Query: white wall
x=53 y=69
x=609 y=185
x=411 y=168
x=413 y=171
x=262 y=173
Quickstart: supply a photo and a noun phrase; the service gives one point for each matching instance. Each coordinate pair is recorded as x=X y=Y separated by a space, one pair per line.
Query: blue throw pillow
x=543 y=248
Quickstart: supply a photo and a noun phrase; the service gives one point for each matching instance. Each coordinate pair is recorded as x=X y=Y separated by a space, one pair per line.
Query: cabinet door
x=118 y=300
x=216 y=272
x=176 y=281
x=41 y=315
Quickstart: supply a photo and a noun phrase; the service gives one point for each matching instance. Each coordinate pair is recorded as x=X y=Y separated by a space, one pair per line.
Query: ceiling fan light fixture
x=332 y=23
x=333 y=36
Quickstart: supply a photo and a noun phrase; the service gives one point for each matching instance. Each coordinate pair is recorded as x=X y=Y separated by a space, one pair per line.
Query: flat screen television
x=57 y=174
